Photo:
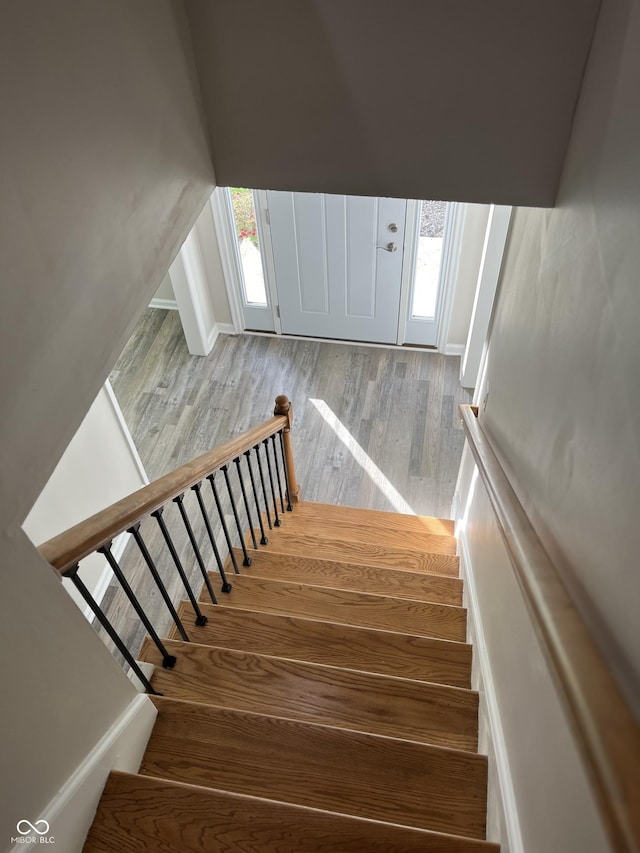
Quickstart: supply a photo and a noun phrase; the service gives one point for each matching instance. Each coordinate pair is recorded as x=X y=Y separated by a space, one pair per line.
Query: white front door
x=338 y=264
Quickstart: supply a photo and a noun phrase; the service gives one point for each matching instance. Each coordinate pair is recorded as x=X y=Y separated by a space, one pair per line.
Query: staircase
x=325 y=705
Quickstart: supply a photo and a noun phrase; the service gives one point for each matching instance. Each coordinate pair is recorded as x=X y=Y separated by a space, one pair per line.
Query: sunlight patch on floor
x=363 y=459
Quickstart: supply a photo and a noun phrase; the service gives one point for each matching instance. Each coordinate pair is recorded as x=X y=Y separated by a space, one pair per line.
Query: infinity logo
x=32 y=827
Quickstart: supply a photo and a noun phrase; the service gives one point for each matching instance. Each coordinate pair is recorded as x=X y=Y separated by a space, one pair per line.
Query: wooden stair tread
x=359 y=578
x=146 y=814
x=311 y=765
x=423 y=618
x=363 y=531
x=375 y=518
x=363 y=553
x=367 y=649
x=362 y=701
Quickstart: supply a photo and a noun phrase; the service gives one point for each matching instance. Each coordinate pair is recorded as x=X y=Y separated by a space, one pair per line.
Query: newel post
x=284 y=407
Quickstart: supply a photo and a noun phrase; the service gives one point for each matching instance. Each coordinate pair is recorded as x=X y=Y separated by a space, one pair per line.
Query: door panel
x=311 y=259
x=334 y=275
x=361 y=229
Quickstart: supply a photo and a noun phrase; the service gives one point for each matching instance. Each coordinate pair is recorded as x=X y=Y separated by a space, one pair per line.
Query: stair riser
x=387 y=614
x=367 y=650
x=294 y=524
x=371 y=579
x=378 y=519
x=307 y=765
x=394 y=707
x=366 y=554
x=135 y=812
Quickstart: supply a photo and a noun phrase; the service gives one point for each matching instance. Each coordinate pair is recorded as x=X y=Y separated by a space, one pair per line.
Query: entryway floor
x=375 y=428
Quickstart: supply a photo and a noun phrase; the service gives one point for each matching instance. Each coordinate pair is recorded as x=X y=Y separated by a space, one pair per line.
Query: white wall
x=415 y=99
x=208 y=240
x=99 y=467
x=195 y=287
x=563 y=408
x=562 y=411
x=164 y=293
x=540 y=797
x=193 y=296
x=104 y=167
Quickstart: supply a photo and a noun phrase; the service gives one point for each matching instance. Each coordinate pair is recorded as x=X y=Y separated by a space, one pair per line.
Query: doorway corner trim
x=229 y=255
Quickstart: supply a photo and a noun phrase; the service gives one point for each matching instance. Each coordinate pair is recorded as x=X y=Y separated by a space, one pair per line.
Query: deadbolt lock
x=393 y=228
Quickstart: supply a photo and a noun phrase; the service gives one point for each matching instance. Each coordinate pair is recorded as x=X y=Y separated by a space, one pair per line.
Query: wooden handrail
x=65 y=550
x=602 y=722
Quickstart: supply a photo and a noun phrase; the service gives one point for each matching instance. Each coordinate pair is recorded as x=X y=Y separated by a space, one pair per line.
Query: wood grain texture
x=384 y=652
x=602 y=722
x=368 y=554
x=284 y=407
x=311 y=765
x=398 y=405
x=178 y=406
x=377 y=519
x=148 y=815
x=363 y=530
x=350 y=608
x=396 y=707
x=359 y=578
x=68 y=548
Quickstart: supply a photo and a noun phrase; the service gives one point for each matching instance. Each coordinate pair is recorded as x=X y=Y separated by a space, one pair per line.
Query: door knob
x=390 y=247
x=393 y=228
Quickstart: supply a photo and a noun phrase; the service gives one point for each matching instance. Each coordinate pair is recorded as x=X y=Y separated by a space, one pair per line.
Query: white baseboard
x=454 y=349
x=509 y=820
x=164 y=304
x=71 y=811
x=226 y=329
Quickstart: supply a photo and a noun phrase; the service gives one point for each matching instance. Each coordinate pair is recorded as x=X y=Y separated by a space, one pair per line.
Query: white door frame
x=223 y=221
x=488 y=278
x=449 y=269
x=411 y=223
x=454 y=224
x=266 y=249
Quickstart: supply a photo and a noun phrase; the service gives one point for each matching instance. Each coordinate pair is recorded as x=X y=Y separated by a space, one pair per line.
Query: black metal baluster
x=168 y=661
x=179 y=499
x=275 y=462
x=263 y=538
x=135 y=532
x=286 y=472
x=72 y=573
x=247 y=558
x=201 y=619
x=226 y=586
x=264 y=490
x=225 y=529
x=246 y=503
x=277 y=521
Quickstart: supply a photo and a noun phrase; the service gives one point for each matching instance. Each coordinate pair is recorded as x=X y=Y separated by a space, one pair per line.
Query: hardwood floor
x=397 y=407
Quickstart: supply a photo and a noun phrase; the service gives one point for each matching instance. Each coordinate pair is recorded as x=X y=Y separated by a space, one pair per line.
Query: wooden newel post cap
x=283 y=405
